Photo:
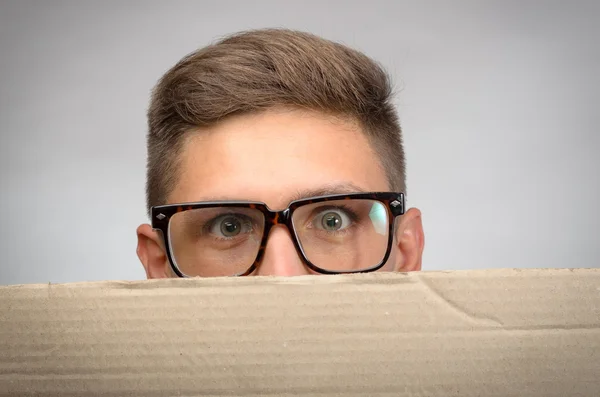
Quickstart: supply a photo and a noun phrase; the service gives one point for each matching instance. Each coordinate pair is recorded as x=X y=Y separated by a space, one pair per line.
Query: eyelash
x=347 y=210
x=351 y=213
x=205 y=229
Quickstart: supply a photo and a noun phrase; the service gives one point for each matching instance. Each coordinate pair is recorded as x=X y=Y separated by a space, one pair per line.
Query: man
x=276 y=152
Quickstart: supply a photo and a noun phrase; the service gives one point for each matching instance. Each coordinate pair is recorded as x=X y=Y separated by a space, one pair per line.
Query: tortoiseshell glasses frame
x=392 y=201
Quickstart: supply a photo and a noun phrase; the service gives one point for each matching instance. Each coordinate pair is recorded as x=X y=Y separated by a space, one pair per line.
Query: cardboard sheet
x=462 y=333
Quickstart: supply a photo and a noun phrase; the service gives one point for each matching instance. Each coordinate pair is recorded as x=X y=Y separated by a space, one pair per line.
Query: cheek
x=393 y=262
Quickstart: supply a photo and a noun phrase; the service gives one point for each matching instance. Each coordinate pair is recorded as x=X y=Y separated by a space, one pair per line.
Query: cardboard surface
x=463 y=333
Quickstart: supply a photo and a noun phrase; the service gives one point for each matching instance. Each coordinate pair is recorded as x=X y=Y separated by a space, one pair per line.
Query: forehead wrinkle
x=323 y=190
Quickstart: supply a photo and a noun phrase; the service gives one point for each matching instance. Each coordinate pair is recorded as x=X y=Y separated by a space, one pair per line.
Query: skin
x=275 y=157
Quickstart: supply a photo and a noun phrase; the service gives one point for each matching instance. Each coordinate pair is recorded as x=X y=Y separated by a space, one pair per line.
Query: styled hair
x=256 y=70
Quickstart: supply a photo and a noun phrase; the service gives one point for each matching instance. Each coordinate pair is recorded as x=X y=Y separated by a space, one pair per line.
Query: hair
x=253 y=71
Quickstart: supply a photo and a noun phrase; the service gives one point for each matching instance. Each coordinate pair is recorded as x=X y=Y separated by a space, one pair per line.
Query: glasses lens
x=343 y=235
x=218 y=241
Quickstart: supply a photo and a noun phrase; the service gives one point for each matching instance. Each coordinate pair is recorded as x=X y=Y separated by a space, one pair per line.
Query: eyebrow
x=323 y=190
x=339 y=188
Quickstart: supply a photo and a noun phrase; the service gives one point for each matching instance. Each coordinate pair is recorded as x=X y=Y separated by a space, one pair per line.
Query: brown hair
x=261 y=69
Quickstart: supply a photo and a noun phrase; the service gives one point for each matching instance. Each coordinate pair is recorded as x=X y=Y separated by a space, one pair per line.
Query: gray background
x=499 y=102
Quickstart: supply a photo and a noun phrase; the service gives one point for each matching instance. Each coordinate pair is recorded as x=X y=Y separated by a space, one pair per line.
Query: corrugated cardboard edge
x=502 y=332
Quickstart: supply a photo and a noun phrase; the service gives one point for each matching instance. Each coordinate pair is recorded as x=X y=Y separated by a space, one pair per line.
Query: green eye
x=331 y=221
x=230 y=227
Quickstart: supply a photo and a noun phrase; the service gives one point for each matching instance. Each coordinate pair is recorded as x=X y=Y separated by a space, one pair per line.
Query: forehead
x=274 y=156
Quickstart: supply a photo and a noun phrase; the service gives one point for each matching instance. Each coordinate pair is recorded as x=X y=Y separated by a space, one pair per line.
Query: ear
x=410 y=242
x=150 y=250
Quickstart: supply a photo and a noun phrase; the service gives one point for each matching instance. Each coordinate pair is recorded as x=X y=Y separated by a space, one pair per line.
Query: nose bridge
x=281 y=257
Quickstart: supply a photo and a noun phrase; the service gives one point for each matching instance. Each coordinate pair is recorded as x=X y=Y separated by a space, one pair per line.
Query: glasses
x=344 y=233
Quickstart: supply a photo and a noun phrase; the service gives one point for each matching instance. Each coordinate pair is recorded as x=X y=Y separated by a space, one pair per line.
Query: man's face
x=276 y=157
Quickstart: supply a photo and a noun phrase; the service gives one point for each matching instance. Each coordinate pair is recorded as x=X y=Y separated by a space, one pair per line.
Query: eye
x=332 y=220
x=230 y=226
